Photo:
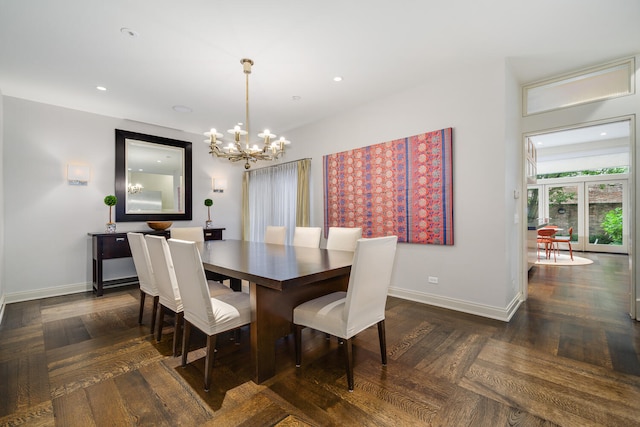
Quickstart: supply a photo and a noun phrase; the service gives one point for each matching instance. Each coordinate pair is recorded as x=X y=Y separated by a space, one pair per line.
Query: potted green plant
x=111 y=201
x=208 y=203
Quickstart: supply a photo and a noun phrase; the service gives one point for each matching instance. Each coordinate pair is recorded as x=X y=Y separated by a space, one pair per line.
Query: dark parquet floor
x=569 y=357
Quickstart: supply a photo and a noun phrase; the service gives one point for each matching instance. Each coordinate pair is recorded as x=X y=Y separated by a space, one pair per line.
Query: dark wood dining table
x=280 y=277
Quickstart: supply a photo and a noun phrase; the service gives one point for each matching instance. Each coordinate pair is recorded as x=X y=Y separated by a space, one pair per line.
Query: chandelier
x=236 y=151
x=134 y=188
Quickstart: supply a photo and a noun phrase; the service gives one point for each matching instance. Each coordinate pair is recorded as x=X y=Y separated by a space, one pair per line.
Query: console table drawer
x=213 y=233
x=114 y=247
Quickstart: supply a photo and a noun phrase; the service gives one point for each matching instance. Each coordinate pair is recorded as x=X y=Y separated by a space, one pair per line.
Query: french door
x=594 y=209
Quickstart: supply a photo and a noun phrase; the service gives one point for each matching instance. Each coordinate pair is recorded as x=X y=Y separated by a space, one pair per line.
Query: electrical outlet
x=433 y=279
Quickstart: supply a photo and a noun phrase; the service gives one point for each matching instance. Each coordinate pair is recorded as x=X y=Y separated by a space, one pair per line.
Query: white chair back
x=191 y=234
x=307 y=237
x=343 y=238
x=211 y=315
x=165 y=275
x=275 y=235
x=192 y=282
x=369 y=283
x=142 y=262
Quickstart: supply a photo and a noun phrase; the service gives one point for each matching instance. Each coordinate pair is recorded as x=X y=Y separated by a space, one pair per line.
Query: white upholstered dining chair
x=192 y=234
x=276 y=235
x=210 y=314
x=345 y=314
x=343 y=238
x=147 y=280
x=195 y=234
x=308 y=237
x=170 y=298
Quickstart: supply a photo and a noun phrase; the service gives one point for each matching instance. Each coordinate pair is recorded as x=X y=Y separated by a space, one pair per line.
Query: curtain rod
x=279 y=164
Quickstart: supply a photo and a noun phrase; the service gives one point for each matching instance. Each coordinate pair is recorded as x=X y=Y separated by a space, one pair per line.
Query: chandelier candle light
x=235 y=151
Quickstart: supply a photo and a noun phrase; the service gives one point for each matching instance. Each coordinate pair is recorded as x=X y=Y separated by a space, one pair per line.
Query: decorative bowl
x=159 y=225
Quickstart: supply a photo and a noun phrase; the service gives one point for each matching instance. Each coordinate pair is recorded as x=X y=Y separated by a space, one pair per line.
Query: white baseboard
x=49 y=292
x=497 y=313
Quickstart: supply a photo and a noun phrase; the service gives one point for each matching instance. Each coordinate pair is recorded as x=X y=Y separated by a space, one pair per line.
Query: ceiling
x=604 y=145
x=187 y=54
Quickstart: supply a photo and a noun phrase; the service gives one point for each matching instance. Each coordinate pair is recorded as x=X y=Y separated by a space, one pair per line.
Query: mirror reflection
x=155 y=181
x=153 y=178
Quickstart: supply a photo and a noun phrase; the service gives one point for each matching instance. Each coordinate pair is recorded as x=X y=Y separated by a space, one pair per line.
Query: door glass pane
x=533 y=206
x=563 y=209
x=605 y=213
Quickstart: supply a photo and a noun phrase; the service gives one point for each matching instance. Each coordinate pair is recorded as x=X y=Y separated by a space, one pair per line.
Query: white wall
x=479 y=273
x=2 y=286
x=47 y=250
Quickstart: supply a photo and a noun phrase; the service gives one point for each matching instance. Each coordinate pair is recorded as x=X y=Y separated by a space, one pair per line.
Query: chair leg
x=383 y=342
x=348 y=354
x=160 y=322
x=570 y=250
x=208 y=364
x=142 y=297
x=154 y=312
x=185 y=342
x=298 y=344
x=177 y=333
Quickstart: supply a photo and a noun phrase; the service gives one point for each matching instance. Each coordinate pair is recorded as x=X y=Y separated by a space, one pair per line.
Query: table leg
x=236 y=285
x=97 y=277
x=272 y=315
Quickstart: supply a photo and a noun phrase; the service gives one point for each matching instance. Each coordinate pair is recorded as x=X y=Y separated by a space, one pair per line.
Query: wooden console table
x=116 y=245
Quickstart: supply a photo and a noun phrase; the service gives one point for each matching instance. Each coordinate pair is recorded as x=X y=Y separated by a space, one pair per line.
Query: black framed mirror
x=153 y=178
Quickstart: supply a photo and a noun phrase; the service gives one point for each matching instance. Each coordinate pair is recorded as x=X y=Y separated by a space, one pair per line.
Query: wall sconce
x=218 y=185
x=78 y=174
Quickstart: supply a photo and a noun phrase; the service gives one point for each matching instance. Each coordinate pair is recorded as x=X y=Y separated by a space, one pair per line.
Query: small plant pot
x=208 y=224
x=111 y=227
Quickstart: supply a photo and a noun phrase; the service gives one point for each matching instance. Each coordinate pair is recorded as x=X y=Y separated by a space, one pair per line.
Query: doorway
x=582 y=177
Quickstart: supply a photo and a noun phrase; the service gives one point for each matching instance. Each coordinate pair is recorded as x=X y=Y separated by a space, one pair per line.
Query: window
x=276 y=195
x=594 y=84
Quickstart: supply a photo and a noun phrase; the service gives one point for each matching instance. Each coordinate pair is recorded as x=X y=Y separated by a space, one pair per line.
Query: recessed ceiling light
x=603 y=134
x=296 y=98
x=182 y=109
x=129 y=32
x=102 y=88
x=337 y=79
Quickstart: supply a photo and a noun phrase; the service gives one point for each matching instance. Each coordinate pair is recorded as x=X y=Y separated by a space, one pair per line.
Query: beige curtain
x=303 y=205
x=302 y=201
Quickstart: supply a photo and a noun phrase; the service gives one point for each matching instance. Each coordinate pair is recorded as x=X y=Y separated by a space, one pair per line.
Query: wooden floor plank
x=37 y=415
x=107 y=405
x=93 y=367
x=64 y=310
x=74 y=409
x=24 y=382
x=181 y=402
x=560 y=390
x=141 y=401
